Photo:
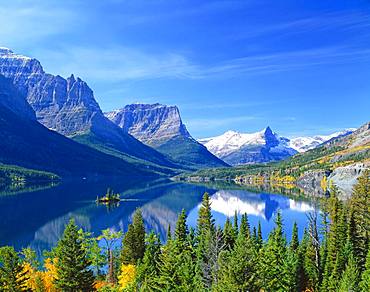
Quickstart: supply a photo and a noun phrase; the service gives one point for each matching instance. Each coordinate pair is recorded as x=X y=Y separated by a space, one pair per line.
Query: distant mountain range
x=264 y=146
x=302 y=144
x=160 y=126
x=339 y=161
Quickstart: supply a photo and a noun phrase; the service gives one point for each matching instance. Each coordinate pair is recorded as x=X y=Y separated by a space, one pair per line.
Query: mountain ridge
x=68 y=107
x=235 y=147
x=160 y=126
x=27 y=143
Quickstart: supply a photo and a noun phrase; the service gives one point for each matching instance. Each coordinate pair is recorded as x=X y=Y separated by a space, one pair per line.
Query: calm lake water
x=37 y=219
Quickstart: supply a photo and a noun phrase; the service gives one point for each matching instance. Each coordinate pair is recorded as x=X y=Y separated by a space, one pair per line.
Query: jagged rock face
x=68 y=106
x=161 y=127
x=153 y=124
x=12 y=100
x=64 y=105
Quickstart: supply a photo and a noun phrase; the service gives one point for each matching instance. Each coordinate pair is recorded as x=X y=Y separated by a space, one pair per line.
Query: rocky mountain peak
x=5 y=51
x=12 y=63
x=152 y=124
x=271 y=139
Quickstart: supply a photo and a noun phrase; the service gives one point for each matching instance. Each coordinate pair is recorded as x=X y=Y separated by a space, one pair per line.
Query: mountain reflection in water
x=37 y=219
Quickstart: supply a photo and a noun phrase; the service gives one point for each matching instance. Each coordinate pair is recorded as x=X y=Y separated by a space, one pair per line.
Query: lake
x=37 y=218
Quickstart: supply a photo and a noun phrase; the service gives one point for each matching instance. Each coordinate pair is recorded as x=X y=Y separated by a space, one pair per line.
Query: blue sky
x=302 y=67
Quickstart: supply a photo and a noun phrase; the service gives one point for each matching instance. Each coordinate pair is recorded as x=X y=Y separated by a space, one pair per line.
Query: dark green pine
x=73 y=266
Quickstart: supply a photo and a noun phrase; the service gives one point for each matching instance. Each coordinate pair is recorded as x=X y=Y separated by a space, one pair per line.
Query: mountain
x=27 y=143
x=240 y=148
x=338 y=161
x=161 y=127
x=302 y=144
x=68 y=107
x=263 y=146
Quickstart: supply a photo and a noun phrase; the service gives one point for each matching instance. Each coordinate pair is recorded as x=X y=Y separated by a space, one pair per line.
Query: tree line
x=333 y=255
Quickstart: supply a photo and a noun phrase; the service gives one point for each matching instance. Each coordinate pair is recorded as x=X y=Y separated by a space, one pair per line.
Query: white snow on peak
x=231 y=141
x=302 y=144
x=9 y=54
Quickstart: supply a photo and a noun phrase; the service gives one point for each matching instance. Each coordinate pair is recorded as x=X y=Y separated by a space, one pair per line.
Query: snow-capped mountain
x=263 y=146
x=302 y=144
x=241 y=148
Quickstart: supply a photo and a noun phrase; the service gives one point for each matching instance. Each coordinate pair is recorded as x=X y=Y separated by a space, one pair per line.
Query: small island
x=109 y=198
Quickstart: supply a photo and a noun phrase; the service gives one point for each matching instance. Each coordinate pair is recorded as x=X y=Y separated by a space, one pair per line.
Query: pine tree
x=205 y=222
x=274 y=255
x=148 y=269
x=236 y=225
x=244 y=226
x=259 y=236
x=239 y=266
x=351 y=276
x=360 y=207
x=177 y=269
x=205 y=235
x=228 y=235
x=365 y=278
x=312 y=256
x=294 y=243
x=12 y=275
x=181 y=231
x=333 y=241
x=73 y=273
x=133 y=244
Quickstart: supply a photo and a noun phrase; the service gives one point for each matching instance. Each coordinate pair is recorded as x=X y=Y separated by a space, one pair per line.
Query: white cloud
x=124 y=64
x=24 y=21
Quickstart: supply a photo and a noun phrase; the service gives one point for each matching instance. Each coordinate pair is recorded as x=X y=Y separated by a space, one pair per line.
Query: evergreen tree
x=244 y=226
x=169 y=232
x=236 y=225
x=12 y=275
x=360 y=207
x=273 y=258
x=181 y=231
x=133 y=244
x=177 y=268
x=365 y=278
x=205 y=222
x=294 y=243
x=239 y=266
x=350 y=277
x=205 y=235
x=312 y=254
x=259 y=235
x=72 y=266
x=148 y=269
x=228 y=235
x=333 y=241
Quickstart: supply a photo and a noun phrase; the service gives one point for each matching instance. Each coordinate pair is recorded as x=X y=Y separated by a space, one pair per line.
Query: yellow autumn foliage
x=49 y=275
x=126 y=276
x=34 y=278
